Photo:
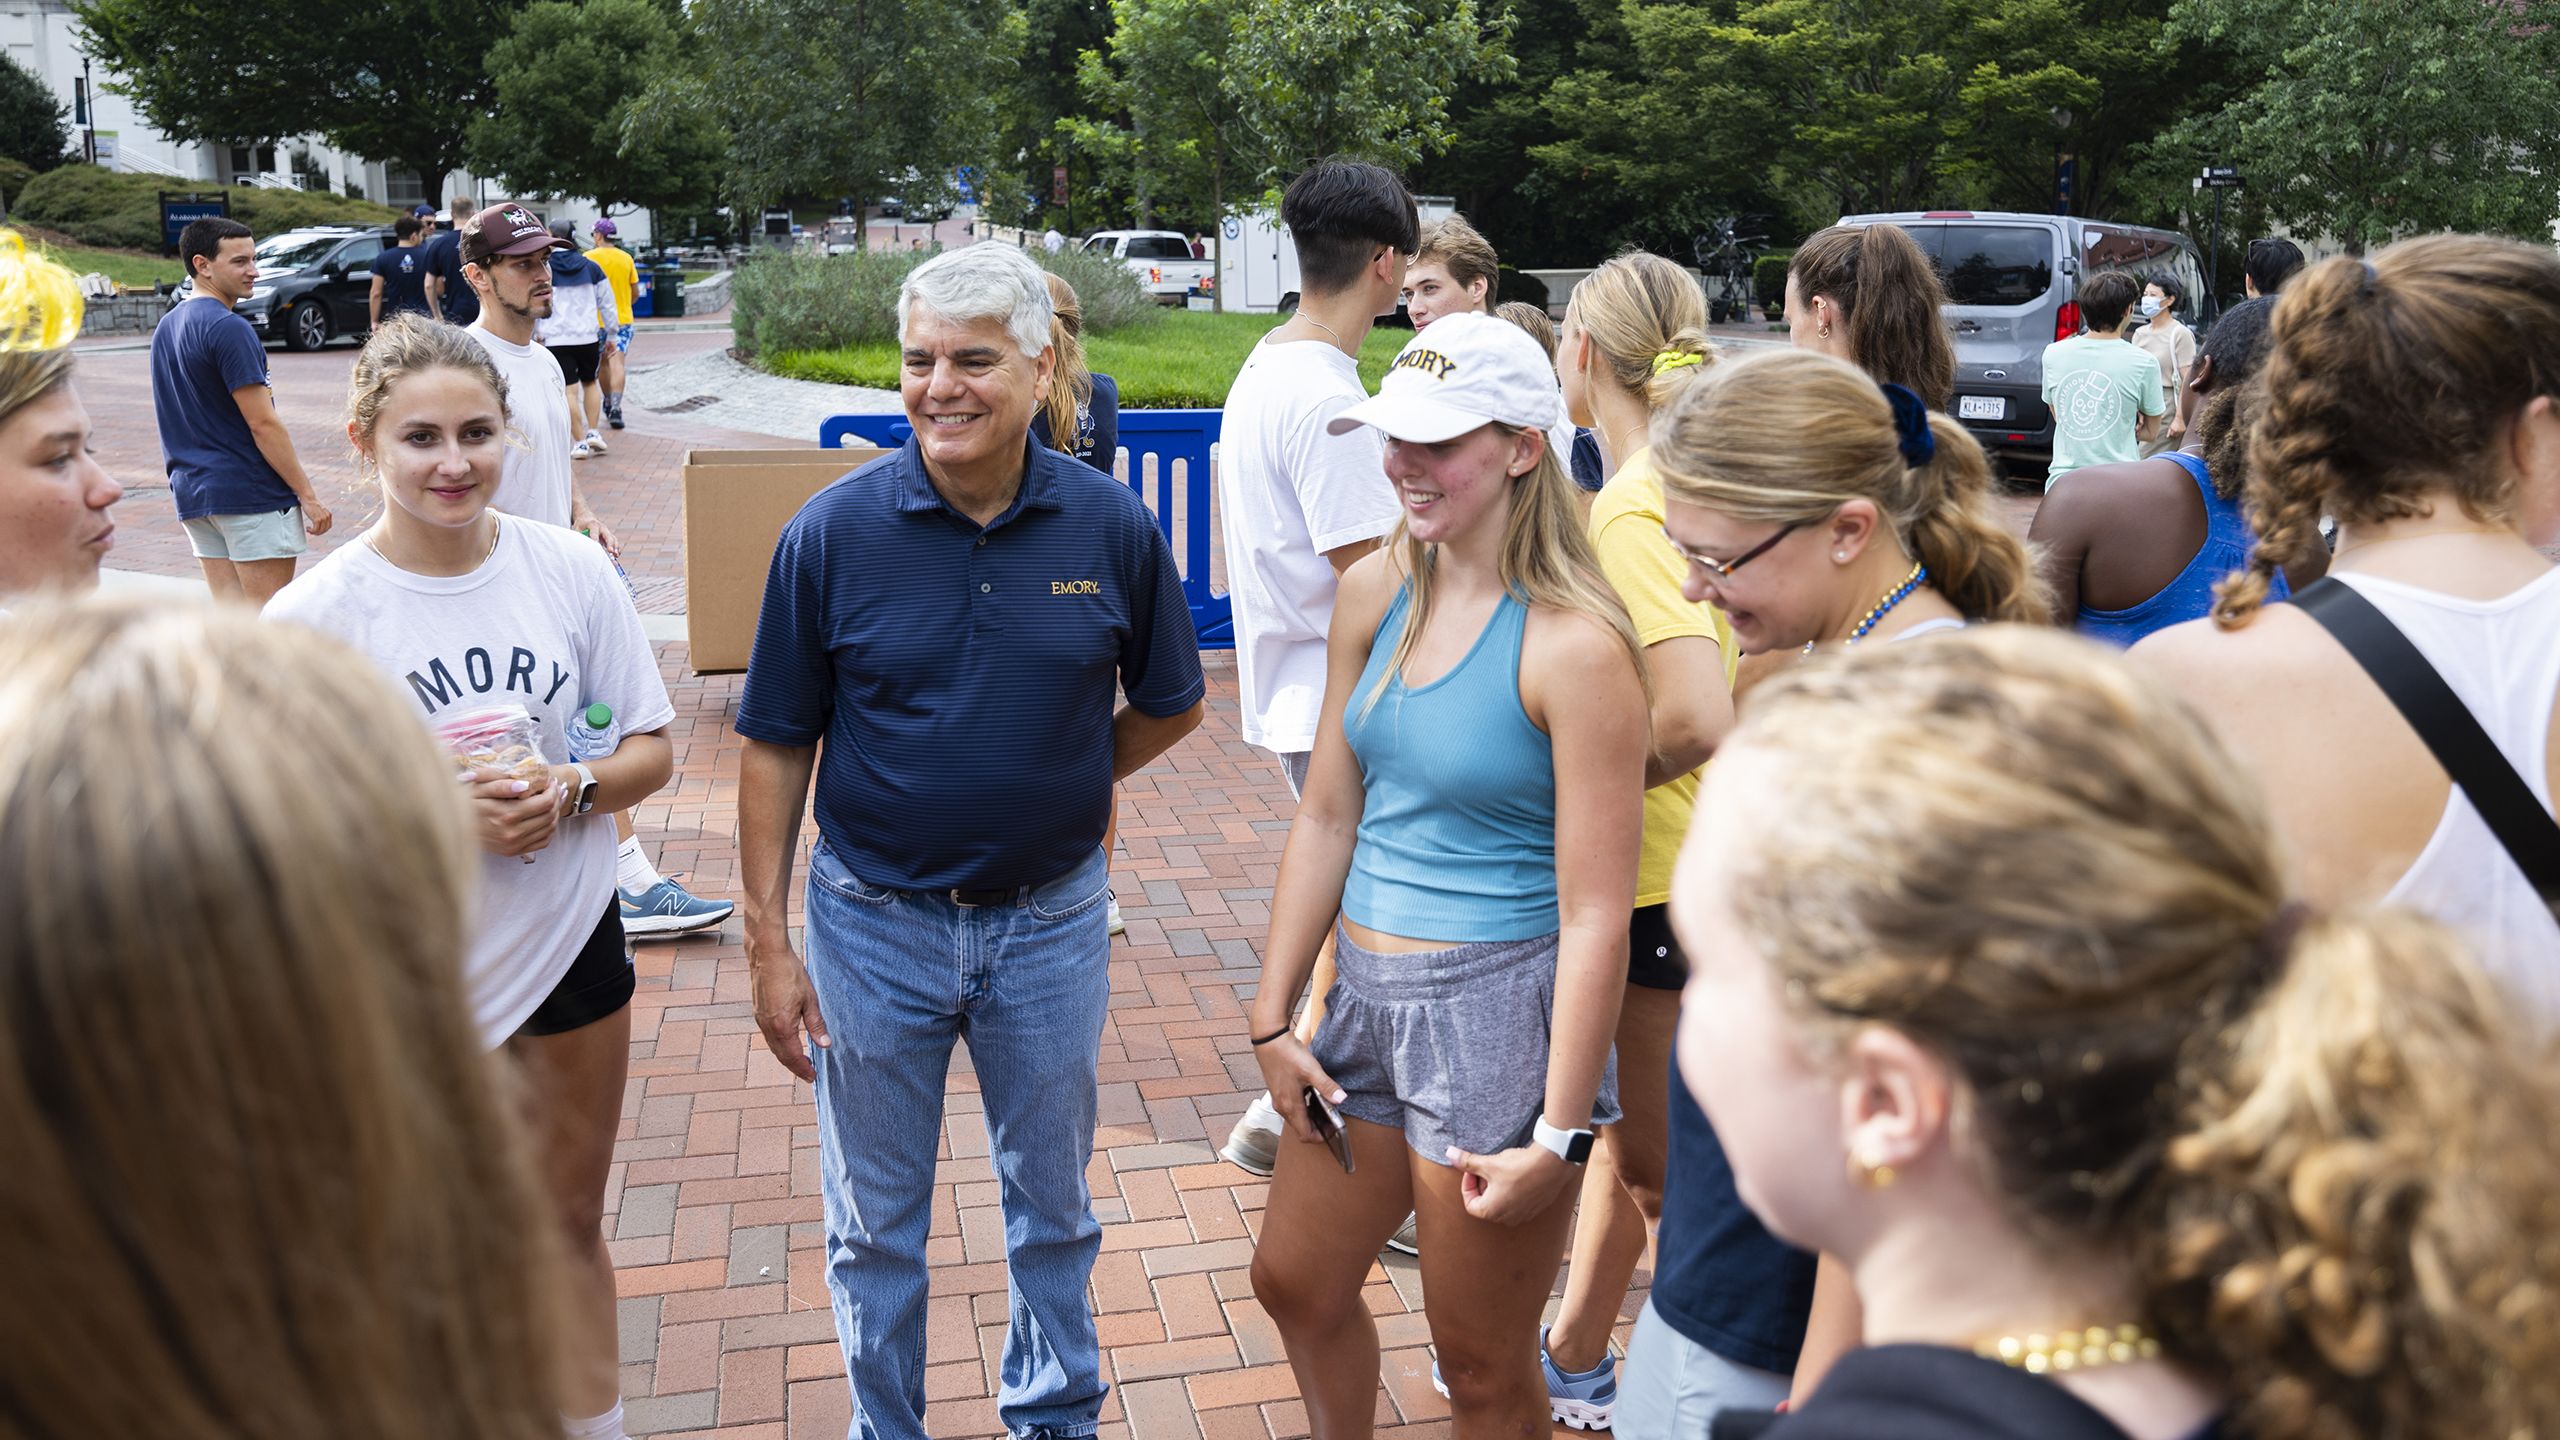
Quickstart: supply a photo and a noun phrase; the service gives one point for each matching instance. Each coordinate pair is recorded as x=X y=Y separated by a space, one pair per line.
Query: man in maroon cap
x=506 y=257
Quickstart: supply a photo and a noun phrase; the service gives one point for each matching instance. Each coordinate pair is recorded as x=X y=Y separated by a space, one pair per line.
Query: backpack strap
x=2509 y=807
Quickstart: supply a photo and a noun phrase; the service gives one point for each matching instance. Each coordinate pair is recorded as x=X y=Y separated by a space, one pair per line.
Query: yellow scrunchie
x=40 y=302
x=1670 y=360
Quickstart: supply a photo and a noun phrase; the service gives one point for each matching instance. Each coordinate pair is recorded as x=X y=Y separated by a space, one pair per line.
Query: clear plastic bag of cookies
x=501 y=739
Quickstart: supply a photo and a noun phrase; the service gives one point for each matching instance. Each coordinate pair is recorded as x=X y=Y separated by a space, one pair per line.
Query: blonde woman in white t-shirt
x=465 y=607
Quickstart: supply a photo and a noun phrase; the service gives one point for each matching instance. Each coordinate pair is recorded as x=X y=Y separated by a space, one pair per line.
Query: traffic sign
x=2220 y=177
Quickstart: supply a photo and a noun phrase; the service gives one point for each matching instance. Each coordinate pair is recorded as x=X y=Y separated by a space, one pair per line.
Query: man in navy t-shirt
x=240 y=488
x=945 y=635
x=400 y=275
x=447 y=291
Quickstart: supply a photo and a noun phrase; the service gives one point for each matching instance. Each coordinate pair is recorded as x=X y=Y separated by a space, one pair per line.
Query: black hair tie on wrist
x=1911 y=423
x=1262 y=1040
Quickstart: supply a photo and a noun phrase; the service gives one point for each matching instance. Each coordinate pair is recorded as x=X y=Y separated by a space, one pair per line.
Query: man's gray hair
x=986 y=281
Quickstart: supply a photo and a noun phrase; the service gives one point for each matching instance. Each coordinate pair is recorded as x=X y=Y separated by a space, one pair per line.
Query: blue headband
x=1911 y=422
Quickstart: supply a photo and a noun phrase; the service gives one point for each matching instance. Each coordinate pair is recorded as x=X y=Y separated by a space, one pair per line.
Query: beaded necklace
x=2070 y=1350
x=1918 y=577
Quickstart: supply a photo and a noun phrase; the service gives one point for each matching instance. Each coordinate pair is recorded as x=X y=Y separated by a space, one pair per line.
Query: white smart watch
x=586 y=788
x=1573 y=1147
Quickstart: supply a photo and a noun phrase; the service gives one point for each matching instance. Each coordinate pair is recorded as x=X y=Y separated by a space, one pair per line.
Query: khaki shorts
x=276 y=535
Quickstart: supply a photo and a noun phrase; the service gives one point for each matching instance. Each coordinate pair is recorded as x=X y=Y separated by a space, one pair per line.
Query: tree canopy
x=570 y=82
x=394 y=80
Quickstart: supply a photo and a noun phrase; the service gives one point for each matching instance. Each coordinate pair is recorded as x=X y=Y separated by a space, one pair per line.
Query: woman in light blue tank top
x=1472 y=813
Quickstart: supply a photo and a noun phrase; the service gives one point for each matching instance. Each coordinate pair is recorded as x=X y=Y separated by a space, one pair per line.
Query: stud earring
x=1873 y=1174
x=1841 y=556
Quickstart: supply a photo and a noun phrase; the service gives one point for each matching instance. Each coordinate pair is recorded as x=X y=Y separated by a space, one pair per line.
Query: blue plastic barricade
x=1168 y=436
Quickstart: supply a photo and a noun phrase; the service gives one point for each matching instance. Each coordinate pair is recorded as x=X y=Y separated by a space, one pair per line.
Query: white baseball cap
x=1465 y=372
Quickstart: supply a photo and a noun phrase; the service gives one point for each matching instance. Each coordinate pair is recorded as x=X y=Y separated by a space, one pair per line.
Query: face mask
x=2150 y=306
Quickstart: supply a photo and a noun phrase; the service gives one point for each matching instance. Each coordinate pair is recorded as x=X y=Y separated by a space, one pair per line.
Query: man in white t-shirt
x=506 y=257
x=1298 y=505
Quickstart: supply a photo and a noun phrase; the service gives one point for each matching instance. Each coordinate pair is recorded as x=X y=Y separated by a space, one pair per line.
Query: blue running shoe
x=667 y=909
x=1579 y=1402
x=1584 y=1401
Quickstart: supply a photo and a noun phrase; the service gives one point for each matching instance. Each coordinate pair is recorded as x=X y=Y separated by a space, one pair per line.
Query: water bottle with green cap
x=591 y=734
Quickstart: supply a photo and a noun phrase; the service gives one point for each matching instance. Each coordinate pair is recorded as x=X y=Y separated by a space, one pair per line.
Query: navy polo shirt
x=960 y=681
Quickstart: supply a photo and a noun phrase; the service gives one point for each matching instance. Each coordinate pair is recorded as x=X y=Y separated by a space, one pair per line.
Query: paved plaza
x=714 y=1203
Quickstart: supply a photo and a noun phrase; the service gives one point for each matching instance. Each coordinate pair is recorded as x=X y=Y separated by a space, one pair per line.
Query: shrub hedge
x=837 y=302
x=117 y=211
x=1769 y=277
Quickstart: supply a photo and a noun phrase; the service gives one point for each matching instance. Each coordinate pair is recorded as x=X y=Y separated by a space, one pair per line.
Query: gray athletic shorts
x=1449 y=1046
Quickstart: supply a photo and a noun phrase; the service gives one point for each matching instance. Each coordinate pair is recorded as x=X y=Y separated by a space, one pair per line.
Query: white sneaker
x=595 y=442
x=581 y=451
x=1254 y=1145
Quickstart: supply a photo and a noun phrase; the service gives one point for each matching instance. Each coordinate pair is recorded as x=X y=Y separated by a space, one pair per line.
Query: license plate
x=1981 y=407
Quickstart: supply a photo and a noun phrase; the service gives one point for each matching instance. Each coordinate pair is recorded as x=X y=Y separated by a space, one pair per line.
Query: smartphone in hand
x=1328 y=1125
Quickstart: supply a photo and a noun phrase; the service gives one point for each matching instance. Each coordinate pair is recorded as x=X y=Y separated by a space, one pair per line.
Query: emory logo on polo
x=437 y=687
x=1075 y=587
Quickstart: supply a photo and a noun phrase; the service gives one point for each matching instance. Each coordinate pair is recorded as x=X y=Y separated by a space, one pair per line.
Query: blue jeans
x=900 y=975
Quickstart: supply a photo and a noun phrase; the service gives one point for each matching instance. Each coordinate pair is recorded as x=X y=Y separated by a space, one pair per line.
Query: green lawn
x=125 y=267
x=1186 y=362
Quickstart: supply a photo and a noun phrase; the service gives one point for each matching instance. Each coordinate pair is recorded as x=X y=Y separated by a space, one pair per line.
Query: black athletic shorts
x=1654 y=960
x=599 y=982
x=578 y=363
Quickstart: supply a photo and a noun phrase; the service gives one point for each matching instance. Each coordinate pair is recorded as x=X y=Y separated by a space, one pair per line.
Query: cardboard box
x=735 y=505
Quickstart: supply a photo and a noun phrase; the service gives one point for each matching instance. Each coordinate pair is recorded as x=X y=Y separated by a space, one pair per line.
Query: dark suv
x=313 y=284
x=2010 y=280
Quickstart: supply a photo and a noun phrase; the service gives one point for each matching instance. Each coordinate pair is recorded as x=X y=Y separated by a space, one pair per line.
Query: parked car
x=313 y=284
x=2011 y=281
x=1161 y=259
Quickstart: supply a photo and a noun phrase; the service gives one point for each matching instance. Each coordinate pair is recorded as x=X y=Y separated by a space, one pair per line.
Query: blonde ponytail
x=1647 y=322
x=1071 y=381
x=1974 y=558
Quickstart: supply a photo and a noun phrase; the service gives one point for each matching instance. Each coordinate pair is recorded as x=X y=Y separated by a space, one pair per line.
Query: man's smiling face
x=969 y=389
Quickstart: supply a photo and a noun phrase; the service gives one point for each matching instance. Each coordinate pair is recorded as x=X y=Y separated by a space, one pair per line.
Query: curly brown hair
x=2318 y=1141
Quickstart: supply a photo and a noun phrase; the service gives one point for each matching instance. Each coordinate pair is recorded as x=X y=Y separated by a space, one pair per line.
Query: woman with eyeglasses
x=1818 y=508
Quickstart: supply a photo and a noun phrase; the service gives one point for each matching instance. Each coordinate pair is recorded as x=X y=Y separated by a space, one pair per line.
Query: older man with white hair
x=944 y=634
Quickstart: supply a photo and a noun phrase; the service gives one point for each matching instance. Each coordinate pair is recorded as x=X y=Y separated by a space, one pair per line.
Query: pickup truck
x=1161 y=259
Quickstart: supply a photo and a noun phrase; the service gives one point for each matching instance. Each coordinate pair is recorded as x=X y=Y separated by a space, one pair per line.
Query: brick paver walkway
x=714 y=1210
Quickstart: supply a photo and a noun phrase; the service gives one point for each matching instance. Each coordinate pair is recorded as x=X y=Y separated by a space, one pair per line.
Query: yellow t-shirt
x=620 y=273
x=1626 y=528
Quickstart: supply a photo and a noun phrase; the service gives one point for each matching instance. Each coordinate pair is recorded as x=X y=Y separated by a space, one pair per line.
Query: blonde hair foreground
x=262 y=1180
x=2315 y=1139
